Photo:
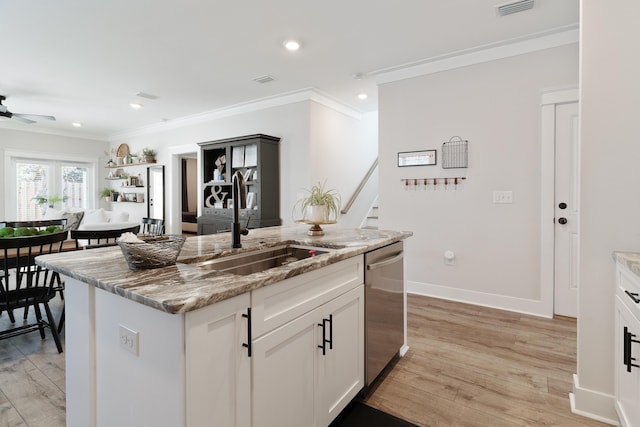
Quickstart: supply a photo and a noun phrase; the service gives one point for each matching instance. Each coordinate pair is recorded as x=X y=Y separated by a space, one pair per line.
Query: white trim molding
x=490 y=52
x=307 y=94
x=484 y=299
x=593 y=404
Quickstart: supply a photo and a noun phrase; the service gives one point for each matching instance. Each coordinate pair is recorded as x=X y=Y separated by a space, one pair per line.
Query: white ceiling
x=84 y=60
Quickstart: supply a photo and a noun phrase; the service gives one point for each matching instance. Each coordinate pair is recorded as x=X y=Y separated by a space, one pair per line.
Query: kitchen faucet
x=239 y=194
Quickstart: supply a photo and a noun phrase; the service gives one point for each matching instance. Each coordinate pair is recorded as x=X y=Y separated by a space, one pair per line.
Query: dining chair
x=39 y=225
x=89 y=239
x=33 y=285
x=152 y=226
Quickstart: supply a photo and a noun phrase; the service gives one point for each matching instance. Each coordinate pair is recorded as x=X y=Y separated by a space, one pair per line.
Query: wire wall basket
x=455 y=153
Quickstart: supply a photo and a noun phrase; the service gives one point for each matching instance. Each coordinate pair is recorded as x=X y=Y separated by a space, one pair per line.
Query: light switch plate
x=502 y=196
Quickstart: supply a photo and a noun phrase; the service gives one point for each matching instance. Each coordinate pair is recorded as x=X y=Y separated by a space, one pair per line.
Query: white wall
x=496 y=106
x=46 y=146
x=342 y=151
x=610 y=209
x=305 y=157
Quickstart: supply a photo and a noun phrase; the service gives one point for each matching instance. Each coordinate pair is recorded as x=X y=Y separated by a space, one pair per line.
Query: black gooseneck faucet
x=239 y=194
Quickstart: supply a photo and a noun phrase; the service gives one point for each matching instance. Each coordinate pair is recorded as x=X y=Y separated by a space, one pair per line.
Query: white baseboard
x=403 y=350
x=593 y=404
x=502 y=302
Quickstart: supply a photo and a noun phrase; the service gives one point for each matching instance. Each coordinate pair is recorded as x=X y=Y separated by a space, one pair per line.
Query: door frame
x=549 y=101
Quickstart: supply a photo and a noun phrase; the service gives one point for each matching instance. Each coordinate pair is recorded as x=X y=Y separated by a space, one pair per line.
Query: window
x=56 y=183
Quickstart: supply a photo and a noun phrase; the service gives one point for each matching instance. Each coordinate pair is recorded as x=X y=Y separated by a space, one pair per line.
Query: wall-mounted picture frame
x=417 y=158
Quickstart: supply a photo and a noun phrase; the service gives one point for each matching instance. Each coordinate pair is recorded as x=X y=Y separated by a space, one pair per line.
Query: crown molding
x=556 y=37
x=56 y=132
x=307 y=94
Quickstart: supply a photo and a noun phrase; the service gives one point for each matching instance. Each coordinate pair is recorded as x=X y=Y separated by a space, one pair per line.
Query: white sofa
x=92 y=219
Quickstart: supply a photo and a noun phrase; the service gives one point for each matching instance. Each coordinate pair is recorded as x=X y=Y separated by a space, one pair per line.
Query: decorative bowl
x=155 y=252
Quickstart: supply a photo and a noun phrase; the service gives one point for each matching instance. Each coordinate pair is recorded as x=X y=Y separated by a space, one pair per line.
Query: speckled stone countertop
x=630 y=259
x=186 y=286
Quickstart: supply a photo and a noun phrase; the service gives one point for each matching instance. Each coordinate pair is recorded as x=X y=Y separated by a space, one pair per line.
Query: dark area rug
x=357 y=414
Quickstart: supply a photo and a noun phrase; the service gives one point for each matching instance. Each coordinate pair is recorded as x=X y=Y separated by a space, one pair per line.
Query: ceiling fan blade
x=34 y=117
x=23 y=120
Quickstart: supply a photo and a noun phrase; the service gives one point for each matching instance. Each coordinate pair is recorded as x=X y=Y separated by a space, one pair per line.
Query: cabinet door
x=341 y=370
x=627 y=383
x=218 y=366
x=284 y=374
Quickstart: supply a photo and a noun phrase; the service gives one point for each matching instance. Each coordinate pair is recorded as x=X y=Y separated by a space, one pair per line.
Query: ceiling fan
x=24 y=118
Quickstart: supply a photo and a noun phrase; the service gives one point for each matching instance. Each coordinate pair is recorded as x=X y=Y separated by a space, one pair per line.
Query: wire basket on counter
x=155 y=252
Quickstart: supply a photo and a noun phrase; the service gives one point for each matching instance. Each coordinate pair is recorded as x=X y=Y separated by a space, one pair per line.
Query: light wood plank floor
x=467 y=366
x=475 y=366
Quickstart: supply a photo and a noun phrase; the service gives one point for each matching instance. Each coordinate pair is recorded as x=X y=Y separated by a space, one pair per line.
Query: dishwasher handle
x=387 y=261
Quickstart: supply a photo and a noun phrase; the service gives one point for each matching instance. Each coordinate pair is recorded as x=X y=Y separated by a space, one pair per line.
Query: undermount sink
x=261 y=260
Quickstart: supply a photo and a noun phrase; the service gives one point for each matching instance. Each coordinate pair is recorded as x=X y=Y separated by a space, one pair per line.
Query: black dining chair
x=89 y=239
x=152 y=226
x=39 y=225
x=32 y=285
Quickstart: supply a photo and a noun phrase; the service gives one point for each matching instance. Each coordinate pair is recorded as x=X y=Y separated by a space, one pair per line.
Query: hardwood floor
x=32 y=378
x=476 y=366
x=467 y=366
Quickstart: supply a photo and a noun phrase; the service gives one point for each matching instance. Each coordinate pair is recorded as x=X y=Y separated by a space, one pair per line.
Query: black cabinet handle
x=248 y=343
x=324 y=340
x=628 y=359
x=633 y=296
x=331 y=332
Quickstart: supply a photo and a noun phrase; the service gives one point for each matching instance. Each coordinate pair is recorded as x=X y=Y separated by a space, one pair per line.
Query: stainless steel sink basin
x=261 y=260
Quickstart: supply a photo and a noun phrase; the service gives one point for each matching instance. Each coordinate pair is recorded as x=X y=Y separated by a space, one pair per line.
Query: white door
x=567 y=209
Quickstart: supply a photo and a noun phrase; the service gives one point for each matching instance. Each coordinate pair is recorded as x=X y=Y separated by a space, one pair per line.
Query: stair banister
x=356 y=193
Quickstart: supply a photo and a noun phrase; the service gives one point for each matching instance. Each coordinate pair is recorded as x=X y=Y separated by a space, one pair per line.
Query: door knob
x=562 y=205
x=562 y=220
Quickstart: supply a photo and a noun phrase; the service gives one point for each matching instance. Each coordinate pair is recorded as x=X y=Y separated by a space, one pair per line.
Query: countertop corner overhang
x=185 y=287
x=629 y=259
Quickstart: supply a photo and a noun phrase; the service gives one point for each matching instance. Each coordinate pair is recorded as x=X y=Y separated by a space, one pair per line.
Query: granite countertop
x=630 y=259
x=185 y=286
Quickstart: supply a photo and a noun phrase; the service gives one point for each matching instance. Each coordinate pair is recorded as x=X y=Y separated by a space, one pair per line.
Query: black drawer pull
x=324 y=340
x=628 y=359
x=331 y=332
x=633 y=296
x=248 y=344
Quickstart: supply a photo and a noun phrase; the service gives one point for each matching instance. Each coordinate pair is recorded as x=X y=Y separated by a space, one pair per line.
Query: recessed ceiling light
x=292 y=45
x=363 y=96
x=76 y=124
x=135 y=105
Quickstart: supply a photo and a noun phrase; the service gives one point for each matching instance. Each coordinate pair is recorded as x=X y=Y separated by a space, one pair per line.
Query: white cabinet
x=341 y=370
x=218 y=389
x=308 y=354
x=306 y=371
x=627 y=341
x=287 y=380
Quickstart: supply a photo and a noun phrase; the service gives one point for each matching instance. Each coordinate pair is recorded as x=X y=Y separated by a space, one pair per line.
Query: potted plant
x=50 y=201
x=106 y=193
x=321 y=205
x=149 y=155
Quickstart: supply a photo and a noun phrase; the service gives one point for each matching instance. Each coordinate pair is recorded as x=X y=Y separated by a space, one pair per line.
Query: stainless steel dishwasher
x=384 y=307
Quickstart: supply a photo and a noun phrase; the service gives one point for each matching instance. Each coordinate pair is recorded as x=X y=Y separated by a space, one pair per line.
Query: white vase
x=316 y=214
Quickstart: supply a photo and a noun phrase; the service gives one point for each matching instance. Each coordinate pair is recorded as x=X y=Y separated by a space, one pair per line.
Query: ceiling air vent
x=263 y=79
x=514 y=7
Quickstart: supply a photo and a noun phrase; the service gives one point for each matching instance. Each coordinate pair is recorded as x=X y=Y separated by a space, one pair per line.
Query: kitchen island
x=191 y=345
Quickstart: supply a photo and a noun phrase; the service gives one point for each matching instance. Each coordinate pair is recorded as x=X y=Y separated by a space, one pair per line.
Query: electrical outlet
x=502 y=196
x=129 y=340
